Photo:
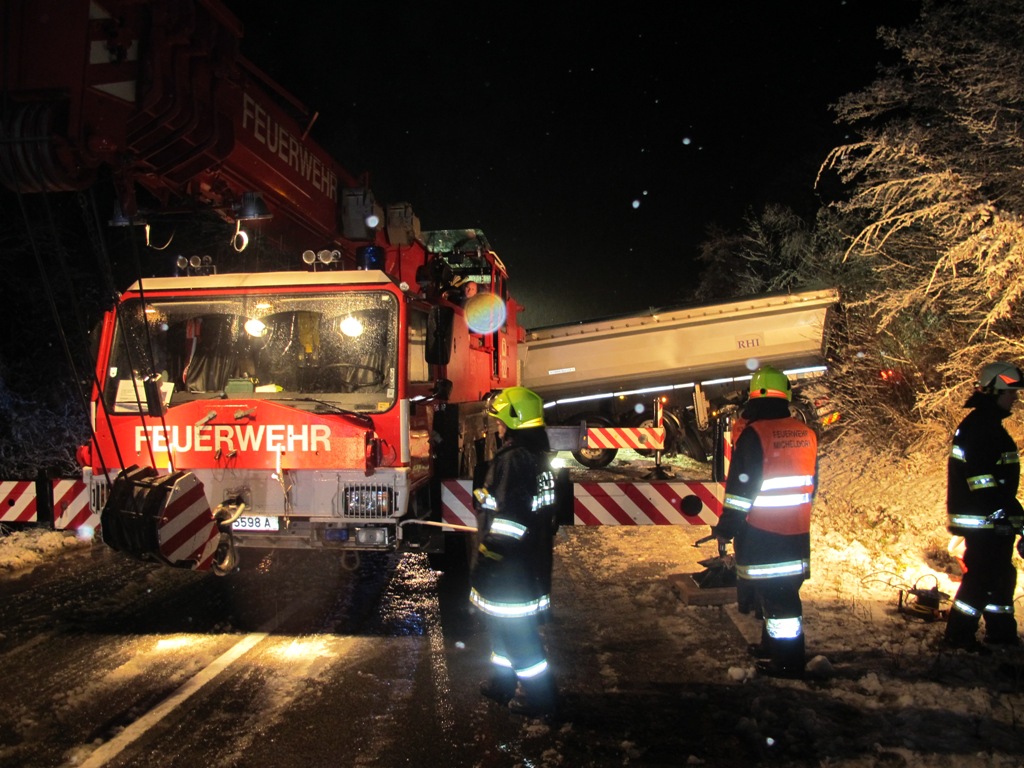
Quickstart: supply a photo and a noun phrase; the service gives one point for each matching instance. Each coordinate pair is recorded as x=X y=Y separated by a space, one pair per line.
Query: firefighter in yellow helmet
x=510 y=578
x=768 y=496
x=981 y=504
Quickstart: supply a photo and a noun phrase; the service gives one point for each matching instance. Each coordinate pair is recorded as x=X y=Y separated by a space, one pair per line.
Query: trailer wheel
x=803 y=410
x=673 y=429
x=595 y=458
x=693 y=444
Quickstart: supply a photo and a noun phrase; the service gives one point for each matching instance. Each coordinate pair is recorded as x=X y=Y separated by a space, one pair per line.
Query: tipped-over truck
x=677 y=368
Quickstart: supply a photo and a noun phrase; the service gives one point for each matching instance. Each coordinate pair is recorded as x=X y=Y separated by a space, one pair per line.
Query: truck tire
x=693 y=445
x=595 y=458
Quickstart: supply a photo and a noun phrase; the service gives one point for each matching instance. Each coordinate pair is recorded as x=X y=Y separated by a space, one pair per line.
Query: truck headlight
x=369 y=502
x=372 y=537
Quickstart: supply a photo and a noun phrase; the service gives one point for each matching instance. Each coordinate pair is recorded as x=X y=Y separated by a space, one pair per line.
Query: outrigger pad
x=164 y=517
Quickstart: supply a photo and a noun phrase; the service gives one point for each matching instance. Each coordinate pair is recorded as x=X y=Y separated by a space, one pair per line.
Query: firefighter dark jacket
x=983 y=473
x=770 y=488
x=511 y=573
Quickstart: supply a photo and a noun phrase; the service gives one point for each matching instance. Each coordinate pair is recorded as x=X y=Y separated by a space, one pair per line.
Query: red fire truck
x=299 y=409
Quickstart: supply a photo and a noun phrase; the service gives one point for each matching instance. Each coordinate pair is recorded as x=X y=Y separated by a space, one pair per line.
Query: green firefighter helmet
x=996 y=377
x=770 y=382
x=517 y=408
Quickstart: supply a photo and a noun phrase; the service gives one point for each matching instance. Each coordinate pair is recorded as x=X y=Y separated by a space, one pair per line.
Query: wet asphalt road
x=306 y=660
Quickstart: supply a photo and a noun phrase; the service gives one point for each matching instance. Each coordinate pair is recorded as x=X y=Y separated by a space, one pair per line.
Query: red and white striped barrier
x=17 y=501
x=726 y=451
x=457 y=502
x=646 y=503
x=71 y=510
x=612 y=503
x=638 y=438
x=186 y=529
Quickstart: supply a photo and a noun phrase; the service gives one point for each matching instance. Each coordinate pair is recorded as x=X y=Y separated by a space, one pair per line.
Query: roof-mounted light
x=252 y=208
x=195 y=264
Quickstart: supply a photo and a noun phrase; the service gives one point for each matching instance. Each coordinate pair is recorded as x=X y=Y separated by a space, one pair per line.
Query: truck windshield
x=338 y=348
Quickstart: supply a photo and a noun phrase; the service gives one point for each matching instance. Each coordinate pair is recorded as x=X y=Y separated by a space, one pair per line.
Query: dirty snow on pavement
x=879 y=690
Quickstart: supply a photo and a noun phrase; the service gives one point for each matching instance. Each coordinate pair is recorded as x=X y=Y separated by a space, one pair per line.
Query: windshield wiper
x=324 y=406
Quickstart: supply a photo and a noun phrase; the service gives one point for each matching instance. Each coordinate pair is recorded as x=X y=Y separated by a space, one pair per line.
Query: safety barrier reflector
x=186 y=528
x=457 y=502
x=647 y=503
x=640 y=438
x=71 y=510
x=17 y=501
x=612 y=503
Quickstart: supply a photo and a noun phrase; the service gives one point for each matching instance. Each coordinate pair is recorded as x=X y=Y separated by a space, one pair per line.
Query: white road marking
x=118 y=744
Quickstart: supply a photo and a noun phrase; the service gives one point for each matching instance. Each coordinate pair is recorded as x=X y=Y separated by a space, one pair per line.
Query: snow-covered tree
x=933 y=202
x=774 y=251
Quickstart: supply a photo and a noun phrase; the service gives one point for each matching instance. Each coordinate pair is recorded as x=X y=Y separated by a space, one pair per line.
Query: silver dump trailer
x=694 y=360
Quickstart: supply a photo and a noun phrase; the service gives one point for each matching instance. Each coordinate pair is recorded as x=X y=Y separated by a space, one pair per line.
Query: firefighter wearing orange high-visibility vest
x=768 y=498
x=981 y=503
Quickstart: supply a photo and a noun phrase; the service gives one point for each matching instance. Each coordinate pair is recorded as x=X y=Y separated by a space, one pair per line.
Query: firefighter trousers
x=782 y=634
x=986 y=590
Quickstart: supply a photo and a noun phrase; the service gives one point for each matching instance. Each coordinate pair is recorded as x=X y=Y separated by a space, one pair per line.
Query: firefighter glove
x=728 y=525
x=721 y=533
x=489 y=554
x=1001 y=523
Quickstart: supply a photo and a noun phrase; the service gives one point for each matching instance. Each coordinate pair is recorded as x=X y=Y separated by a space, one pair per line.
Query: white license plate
x=255 y=523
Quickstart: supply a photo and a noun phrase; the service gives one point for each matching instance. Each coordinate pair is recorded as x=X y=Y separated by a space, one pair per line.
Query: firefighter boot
x=537 y=697
x=746 y=597
x=761 y=650
x=961 y=634
x=1001 y=630
x=500 y=687
x=787 y=658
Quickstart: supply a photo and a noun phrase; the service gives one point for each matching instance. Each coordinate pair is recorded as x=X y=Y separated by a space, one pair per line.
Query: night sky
x=594 y=147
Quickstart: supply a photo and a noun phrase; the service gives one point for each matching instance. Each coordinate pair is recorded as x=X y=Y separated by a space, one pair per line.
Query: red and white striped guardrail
x=17 y=501
x=20 y=503
x=638 y=438
x=71 y=510
x=627 y=503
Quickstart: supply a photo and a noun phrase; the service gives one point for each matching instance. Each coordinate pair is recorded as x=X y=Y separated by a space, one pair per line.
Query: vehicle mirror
x=440 y=323
x=154 y=397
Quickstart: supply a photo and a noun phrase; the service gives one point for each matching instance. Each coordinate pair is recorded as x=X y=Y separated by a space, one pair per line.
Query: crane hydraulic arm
x=158 y=92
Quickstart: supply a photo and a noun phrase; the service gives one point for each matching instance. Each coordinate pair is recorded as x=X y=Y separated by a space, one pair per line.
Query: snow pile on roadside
x=879 y=522
x=23 y=550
